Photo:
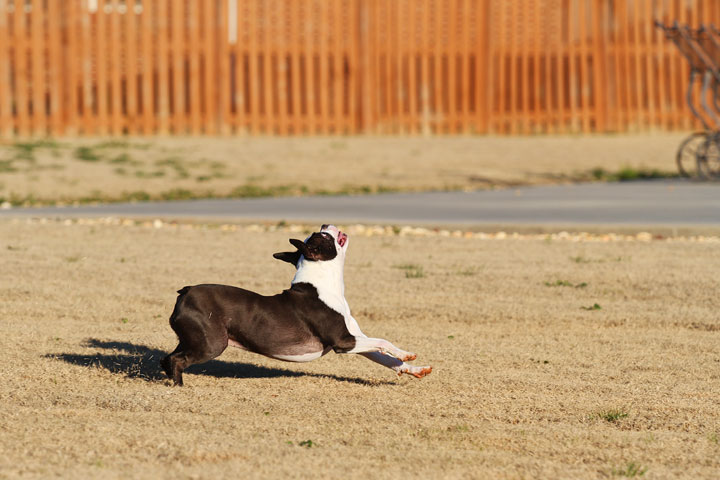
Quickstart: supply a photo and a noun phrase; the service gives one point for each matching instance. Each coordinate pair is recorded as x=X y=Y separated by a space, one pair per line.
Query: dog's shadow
x=141 y=361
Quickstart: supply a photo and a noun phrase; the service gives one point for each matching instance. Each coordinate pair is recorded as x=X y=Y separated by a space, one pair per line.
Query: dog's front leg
x=365 y=344
x=396 y=365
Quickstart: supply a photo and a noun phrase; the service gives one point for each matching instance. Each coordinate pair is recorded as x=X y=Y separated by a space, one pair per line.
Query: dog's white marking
x=327 y=278
x=305 y=357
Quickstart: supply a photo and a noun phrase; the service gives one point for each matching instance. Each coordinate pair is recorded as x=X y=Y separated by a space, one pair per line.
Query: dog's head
x=329 y=244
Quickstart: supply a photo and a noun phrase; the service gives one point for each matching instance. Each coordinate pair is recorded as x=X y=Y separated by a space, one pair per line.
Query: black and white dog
x=300 y=324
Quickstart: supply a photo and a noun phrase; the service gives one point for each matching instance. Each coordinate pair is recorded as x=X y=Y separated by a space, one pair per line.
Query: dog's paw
x=409 y=357
x=417 y=372
x=421 y=372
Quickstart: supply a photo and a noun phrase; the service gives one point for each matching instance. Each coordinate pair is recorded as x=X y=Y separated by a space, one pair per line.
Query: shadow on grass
x=141 y=361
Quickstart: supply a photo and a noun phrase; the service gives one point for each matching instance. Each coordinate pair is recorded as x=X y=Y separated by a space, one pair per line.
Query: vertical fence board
x=56 y=80
x=295 y=59
x=323 y=90
x=177 y=66
x=222 y=80
x=598 y=18
x=147 y=70
x=582 y=59
x=114 y=68
x=354 y=66
x=20 y=72
x=366 y=90
x=483 y=68
x=163 y=73
x=194 y=49
x=100 y=119
x=131 y=68
x=452 y=48
x=37 y=66
x=6 y=117
x=254 y=68
x=281 y=39
x=209 y=79
x=438 y=112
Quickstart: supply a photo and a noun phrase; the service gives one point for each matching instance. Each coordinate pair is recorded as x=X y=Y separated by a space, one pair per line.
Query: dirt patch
x=82 y=170
x=526 y=382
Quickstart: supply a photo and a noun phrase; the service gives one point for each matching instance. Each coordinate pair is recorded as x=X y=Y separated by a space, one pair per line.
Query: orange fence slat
x=222 y=80
x=163 y=71
x=209 y=79
x=148 y=42
x=6 y=117
x=114 y=69
x=193 y=53
x=129 y=20
x=253 y=81
x=20 y=80
x=37 y=65
x=296 y=11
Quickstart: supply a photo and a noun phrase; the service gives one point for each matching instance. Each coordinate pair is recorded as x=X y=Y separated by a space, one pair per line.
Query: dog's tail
x=178 y=303
x=183 y=291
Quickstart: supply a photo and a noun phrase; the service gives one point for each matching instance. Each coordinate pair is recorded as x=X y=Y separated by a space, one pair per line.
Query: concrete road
x=659 y=203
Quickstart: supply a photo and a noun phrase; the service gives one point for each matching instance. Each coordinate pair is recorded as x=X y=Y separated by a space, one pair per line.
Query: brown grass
x=86 y=170
x=526 y=384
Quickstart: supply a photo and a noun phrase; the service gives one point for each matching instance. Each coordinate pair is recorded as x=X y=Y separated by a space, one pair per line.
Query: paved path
x=666 y=203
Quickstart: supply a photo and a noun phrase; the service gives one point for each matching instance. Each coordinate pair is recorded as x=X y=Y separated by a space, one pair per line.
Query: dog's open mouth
x=342 y=238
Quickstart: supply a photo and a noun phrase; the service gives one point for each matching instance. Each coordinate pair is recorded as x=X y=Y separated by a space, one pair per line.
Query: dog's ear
x=293 y=257
x=289 y=257
x=302 y=248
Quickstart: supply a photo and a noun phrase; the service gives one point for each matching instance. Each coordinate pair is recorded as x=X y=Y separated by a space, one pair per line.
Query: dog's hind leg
x=365 y=344
x=398 y=366
x=199 y=342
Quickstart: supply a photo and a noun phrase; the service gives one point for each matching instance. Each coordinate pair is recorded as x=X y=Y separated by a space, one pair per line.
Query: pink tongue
x=342 y=239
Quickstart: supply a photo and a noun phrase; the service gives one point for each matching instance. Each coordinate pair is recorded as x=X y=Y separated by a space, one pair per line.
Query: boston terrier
x=300 y=324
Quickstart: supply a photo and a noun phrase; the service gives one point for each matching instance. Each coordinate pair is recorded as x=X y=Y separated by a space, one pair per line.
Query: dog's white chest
x=327 y=279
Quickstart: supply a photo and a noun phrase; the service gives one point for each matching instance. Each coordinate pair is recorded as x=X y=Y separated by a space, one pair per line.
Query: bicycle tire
x=708 y=165
x=686 y=158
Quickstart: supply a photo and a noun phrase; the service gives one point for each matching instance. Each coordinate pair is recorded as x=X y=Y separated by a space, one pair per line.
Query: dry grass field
x=91 y=170
x=552 y=358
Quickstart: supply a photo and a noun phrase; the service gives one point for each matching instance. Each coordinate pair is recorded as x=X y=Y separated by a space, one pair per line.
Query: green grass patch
x=26 y=150
x=255 y=191
x=6 y=166
x=121 y=144
x=86 y=154
x=468 y=272
x=612 y=415
x=565 y=283
x=411 y=270
x=177 y=194
x=594 y=306
x=124 y=159
x=580 y=259
x=626 y=174
x=631 y=470
x=144 y=174
x=176 y=164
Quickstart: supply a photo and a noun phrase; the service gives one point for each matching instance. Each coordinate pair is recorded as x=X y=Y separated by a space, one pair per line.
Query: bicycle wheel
x=687 y=154
x=708 y=153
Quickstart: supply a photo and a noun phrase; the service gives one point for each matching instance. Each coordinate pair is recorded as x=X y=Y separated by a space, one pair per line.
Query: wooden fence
x=99 y=67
